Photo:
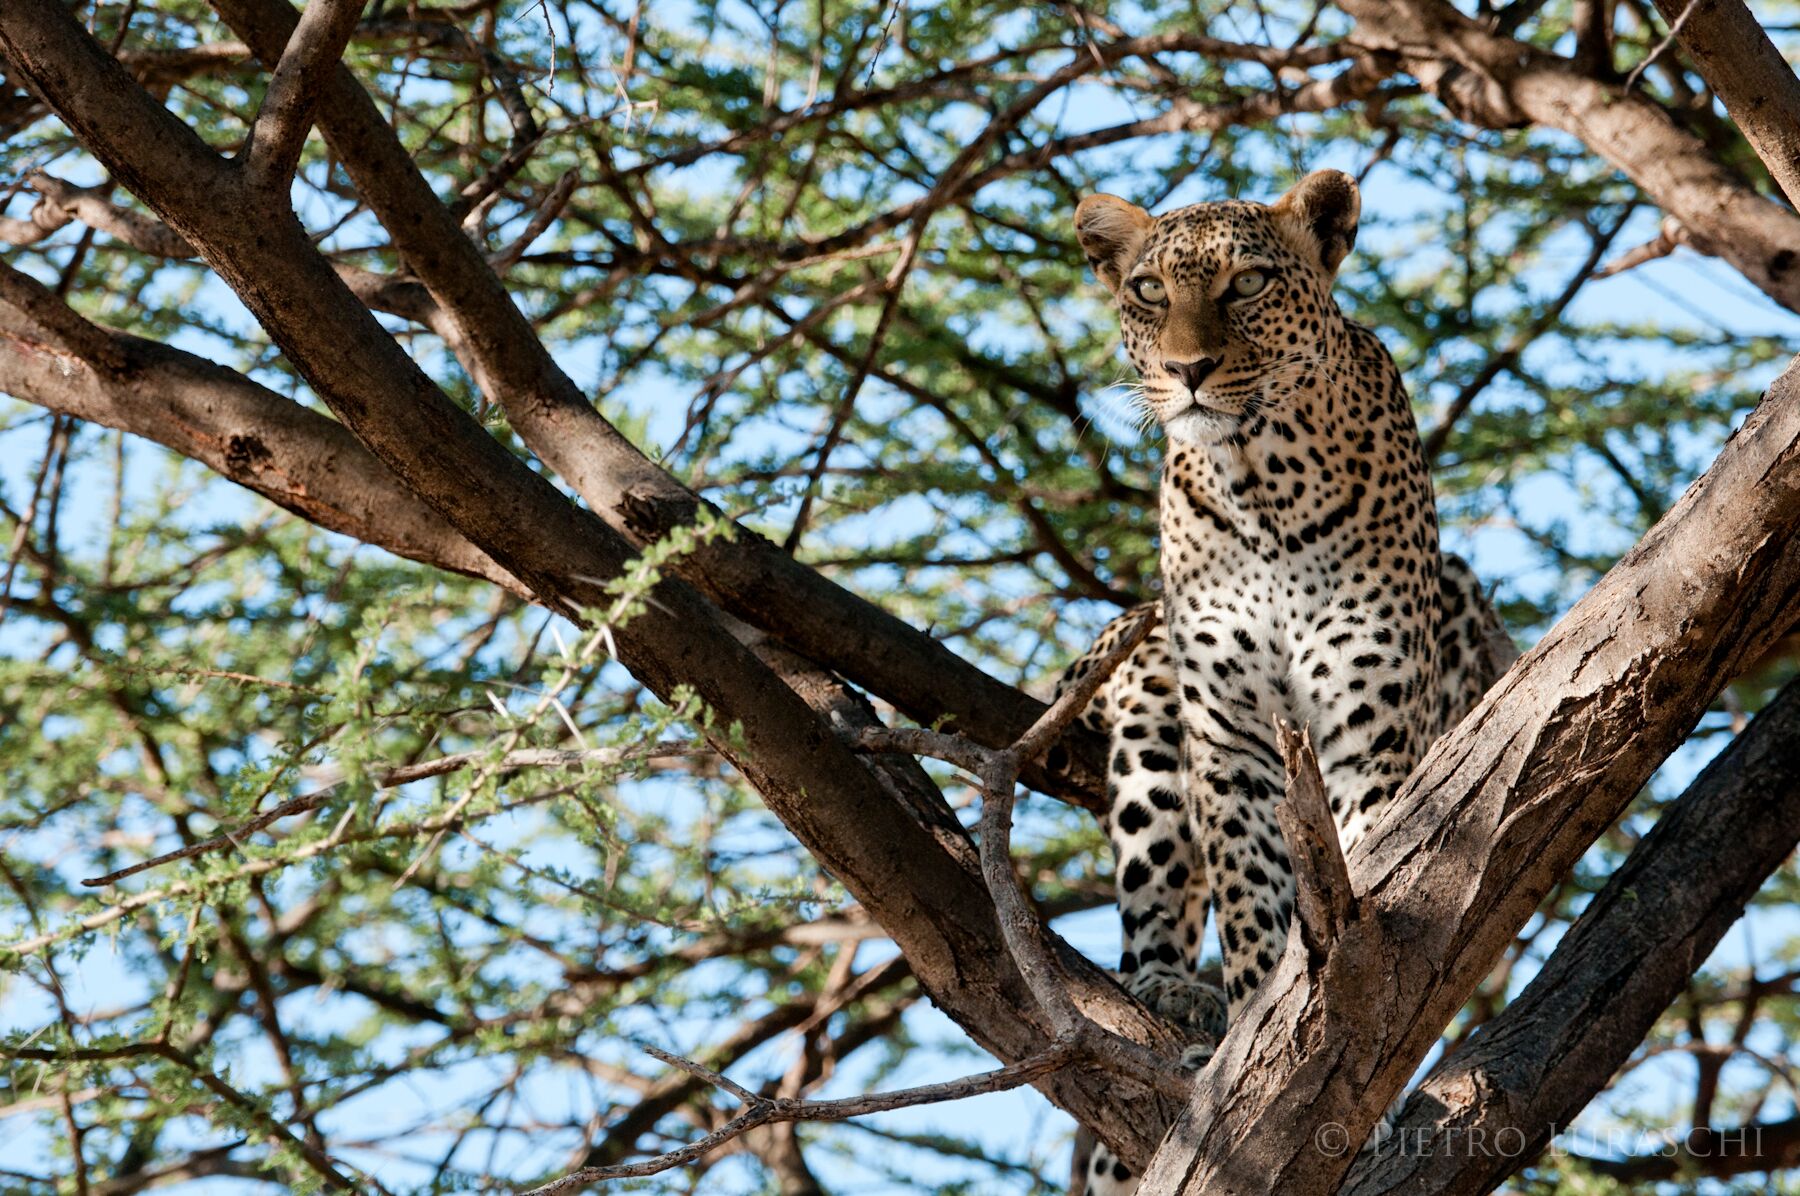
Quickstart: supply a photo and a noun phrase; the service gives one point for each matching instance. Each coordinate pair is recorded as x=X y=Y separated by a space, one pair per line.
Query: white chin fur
x=1194 y=425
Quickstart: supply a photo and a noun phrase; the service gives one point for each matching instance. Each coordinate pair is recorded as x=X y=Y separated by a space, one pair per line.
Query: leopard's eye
x=1248 y=283
x=1150 y=290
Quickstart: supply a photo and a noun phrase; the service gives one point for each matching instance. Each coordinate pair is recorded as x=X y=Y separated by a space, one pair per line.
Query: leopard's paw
x=1192 y=1004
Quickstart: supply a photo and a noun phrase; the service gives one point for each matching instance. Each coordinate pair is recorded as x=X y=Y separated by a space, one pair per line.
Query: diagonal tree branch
x=1751 y=78
x=761 y=1110
x=749 y=576
x=286 y=114
x=1499 y=82
x=1526 y=1073
x=887 y=855
x=292 y=456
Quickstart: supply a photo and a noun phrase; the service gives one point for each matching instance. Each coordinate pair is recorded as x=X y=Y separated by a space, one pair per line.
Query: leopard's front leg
x=1232 y=680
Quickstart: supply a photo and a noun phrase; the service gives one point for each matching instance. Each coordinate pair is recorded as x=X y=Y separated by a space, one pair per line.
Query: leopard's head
x=1224 y=306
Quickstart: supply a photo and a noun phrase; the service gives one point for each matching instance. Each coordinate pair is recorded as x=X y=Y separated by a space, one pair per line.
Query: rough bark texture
x=1498 y=811
x=1527 y=1073
x=1750 y=76
x=749 y=576
x=290 y=455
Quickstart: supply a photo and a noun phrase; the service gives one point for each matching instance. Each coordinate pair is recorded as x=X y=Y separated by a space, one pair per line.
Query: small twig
x=894 y=284
x=446 y=34
x=760 y=1111
x=1515 y=347
x=247 y=1108
x=1019 y=923
x=1670 y=236
x=881 y=43
x=550 y=29
x=716 y=1079
x=1661 y=47
x=1324 y=899
x=543 y=218
x=511 y=762
x=285 y=117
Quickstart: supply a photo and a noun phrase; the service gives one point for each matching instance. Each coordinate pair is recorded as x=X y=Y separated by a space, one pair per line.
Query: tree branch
x=1713 y=1153
x=63 y=202
x=761 y=1110
x=1499 y=82
x=286 y=114
x=748 y=575
x=393 y=779
x=1530 y=1070
x=294 y=457
x=884 y=852
x=1323 y=896
x=1749 y=75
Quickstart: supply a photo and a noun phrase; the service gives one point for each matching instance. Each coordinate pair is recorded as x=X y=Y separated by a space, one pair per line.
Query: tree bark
x=296 y=458
x=1500 y=82
x=1494 y=816
x=1750 y=76
x=935 y=907
x=749 y=576
x=1493 y=1105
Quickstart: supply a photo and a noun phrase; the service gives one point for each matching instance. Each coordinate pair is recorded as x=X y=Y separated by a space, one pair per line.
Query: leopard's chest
x=1287 y=562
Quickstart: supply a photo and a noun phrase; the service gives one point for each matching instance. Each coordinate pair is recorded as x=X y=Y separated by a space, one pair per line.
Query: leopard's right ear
x=1112 y=234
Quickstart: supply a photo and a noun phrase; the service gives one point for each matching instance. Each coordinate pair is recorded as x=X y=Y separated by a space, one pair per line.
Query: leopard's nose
x=1191 y=373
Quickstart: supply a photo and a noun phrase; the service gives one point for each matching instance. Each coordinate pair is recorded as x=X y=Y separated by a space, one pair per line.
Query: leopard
x=1302 y=579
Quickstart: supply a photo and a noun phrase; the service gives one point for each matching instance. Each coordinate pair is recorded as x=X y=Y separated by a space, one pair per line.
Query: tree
x=720 y=383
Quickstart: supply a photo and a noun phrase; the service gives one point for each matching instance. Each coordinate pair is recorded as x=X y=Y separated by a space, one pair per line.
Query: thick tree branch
x=296 y=458
x=1542 y=1058
x=1749 y=75
x=935 y=907
x=1499 y=82
x=286 y=115
x=748 y=576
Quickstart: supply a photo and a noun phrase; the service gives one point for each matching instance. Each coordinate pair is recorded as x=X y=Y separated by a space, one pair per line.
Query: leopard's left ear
x=1322 y=209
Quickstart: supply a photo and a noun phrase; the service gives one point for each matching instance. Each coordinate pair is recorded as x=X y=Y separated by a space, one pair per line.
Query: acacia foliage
x=435 y=987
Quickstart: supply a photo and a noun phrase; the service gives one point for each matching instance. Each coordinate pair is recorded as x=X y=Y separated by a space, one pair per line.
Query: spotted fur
x=1302 y=579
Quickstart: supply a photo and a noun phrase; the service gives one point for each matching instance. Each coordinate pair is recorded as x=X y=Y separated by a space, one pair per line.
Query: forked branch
x=286 y=115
